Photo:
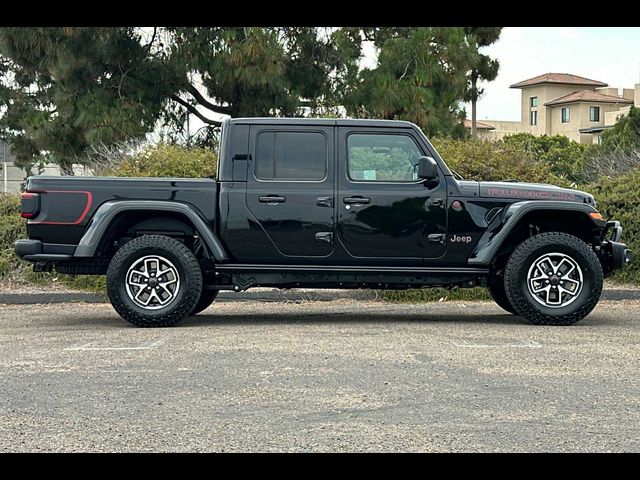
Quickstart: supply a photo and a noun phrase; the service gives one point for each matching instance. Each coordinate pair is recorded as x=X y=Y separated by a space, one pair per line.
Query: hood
x=533 y=191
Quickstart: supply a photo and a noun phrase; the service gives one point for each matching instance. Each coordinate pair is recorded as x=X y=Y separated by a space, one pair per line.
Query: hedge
x=473 y=159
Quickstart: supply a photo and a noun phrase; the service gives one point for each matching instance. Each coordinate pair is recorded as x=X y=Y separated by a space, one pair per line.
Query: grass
x=427 y=295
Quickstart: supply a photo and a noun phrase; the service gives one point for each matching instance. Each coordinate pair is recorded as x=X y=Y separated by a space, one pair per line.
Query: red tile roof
x=587 y=96
x=559 y=78
x=479 y=125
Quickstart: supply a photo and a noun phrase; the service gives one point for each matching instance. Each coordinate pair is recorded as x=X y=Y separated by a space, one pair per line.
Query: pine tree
x=421 y=76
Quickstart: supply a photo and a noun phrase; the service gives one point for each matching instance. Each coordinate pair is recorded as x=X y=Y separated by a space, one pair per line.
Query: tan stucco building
x=565 y=104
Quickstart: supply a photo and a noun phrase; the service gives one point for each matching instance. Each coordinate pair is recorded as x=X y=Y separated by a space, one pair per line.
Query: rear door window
x=282 y=155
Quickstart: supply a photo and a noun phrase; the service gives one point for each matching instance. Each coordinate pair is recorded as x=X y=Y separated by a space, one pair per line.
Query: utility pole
x=4 y=166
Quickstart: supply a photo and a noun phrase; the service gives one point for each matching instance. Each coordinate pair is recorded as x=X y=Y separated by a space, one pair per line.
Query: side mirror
x=427 y=168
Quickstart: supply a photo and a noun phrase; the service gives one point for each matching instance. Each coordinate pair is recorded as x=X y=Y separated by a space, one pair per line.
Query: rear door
x=384 y=210
x=290 y=187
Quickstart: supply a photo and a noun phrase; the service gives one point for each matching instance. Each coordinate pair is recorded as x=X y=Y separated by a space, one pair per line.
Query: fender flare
x=485 y=250
x=108 y=211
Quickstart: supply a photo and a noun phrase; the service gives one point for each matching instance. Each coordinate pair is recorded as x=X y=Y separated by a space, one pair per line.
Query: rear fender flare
x=108 y=211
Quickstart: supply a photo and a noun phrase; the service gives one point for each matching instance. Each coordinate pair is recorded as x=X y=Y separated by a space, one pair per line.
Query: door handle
x=324 y=237
x=437 y=238
x=356 y=200
x=324 y=201
x=434 y=202
x=272 y=199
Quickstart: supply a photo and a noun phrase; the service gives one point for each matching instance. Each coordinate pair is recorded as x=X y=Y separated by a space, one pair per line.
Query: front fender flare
x=108 y=211
x=493 y=238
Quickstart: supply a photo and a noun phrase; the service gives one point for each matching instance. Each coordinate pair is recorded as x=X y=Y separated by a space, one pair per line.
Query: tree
x=624 y=136
x=420 y=76
x=484 y=68
x=65 y=89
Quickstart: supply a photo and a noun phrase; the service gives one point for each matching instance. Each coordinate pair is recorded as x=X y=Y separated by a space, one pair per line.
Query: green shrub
x=477 y=159
x=621 y=197
x=625 y=134
x=12 y=227
x=564 y=157
x=165 y=160
x=472 y=158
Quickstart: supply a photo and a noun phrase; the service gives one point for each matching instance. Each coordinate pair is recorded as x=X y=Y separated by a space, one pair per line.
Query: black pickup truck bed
x=67 y=204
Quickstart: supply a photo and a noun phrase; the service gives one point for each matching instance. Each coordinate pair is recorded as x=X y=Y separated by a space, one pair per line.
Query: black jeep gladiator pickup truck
x=322 y=203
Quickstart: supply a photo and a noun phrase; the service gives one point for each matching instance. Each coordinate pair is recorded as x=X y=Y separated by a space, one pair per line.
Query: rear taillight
x=29 y=204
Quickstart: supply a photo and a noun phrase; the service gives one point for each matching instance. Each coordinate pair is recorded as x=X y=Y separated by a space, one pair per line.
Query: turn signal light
x=596 y=215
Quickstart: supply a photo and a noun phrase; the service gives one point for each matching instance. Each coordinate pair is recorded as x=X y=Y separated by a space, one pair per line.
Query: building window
x=533 y=102
x=594 y=114
x=565 y=115
x=533 y=118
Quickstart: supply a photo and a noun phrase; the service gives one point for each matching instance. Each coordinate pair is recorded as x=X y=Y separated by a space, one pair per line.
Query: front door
x=290 y=188
x=384 y=210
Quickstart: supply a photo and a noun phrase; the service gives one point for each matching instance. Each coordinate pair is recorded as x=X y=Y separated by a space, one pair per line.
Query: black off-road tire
x=187 y=295
x=206 y=299
x=517 y=268
x=496 y=290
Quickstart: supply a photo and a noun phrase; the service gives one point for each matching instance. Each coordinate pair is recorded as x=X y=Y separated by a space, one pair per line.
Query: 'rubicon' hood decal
x=532 y=191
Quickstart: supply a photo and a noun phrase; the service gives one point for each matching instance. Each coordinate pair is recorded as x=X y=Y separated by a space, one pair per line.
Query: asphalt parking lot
x=319 y=376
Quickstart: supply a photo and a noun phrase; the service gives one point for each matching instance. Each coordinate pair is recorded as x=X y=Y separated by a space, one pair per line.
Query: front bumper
x=614 y=254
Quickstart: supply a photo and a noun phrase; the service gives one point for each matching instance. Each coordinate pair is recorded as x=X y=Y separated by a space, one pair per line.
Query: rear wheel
x=206 y=299
x=154 y=281
x=553 y=279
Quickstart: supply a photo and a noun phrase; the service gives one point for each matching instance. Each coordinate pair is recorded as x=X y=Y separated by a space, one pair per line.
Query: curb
x=274 y=295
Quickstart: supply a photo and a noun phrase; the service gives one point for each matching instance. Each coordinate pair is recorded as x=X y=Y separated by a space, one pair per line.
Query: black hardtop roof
x=346 y=122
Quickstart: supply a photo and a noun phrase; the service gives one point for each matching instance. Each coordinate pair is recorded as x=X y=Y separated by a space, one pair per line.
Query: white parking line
x=87 y=347
x=527 y=344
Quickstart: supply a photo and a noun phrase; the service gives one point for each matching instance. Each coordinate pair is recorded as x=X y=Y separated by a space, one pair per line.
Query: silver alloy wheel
x=152 y=282
x=555 y=280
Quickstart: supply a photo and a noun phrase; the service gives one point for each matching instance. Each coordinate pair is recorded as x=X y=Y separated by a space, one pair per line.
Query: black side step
x=245 y=267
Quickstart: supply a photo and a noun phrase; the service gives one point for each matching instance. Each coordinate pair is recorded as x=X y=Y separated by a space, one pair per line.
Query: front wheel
x=496 y=290
x=154 y=281
x=553 y=279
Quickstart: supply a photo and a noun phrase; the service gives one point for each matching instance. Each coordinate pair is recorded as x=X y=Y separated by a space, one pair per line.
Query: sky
x=607 y=54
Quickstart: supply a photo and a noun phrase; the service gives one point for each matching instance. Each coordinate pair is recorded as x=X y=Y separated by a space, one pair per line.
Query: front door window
x=382 y=158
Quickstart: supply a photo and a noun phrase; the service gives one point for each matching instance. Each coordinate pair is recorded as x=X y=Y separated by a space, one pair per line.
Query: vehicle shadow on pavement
x=346 y=318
